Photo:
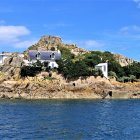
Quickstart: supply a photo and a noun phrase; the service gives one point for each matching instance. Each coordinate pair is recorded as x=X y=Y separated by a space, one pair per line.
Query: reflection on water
x=64 y=119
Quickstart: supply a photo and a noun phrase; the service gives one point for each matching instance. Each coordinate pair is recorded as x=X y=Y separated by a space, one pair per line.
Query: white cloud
x=25 y=44
x=91 y=44
x=131 y=32
x=130 y=29
x=12 y=36
x=69 y=41
x=12 y=33
x=87 y=44
x=137 y=2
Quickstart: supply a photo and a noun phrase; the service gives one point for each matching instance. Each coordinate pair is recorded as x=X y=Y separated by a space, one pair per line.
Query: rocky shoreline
x=89 y=88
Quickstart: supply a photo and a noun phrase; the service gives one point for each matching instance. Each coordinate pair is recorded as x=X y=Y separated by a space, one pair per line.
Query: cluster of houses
x=49 y=57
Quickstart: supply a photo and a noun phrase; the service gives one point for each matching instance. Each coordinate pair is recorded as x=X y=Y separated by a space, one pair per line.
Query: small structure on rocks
x=104 y=68
x=3 y=56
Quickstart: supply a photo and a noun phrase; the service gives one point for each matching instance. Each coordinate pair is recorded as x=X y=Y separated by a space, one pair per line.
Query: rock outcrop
x=55 y=89
x=58 y=88
x=53 y=42
x=123 y=61
x=12 y=66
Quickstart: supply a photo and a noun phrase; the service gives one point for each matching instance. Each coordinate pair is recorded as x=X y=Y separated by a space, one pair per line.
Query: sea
x=70 y=119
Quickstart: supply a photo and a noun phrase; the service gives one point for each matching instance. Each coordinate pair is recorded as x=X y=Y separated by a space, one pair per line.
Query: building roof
x=5 y=54
x=101 y=64
x=44 y=55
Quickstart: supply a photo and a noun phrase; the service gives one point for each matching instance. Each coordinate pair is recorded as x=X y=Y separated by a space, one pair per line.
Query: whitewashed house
x=104 y=68
x=3 y=56
x=45 y=56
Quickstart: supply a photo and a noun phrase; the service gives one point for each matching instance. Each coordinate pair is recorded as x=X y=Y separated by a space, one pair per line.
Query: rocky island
x=76 y=77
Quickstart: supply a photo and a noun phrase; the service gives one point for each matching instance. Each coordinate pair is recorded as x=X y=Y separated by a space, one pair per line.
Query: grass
x=49 y=78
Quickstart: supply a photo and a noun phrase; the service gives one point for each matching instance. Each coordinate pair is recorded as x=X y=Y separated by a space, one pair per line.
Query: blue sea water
x=70 y=120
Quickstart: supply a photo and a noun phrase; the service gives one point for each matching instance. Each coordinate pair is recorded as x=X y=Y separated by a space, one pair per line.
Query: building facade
x=49 y=57
x=3 y=56
x=104 y=68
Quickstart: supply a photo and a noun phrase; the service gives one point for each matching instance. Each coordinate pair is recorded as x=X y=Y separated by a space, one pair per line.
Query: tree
x=133 y=69
x=112 y=74
x=66 y=53
x=115 y=67
x=30 y=71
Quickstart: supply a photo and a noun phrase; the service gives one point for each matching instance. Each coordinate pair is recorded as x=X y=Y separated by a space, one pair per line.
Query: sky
x=105 y=25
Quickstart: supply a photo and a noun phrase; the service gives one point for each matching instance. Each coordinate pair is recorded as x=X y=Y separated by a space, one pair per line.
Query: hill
x=76 y=77
x=55 y=42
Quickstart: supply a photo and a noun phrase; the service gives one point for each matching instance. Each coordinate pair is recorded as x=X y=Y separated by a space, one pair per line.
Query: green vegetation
x=71 y=66
x=66 y=53
x=30 y=71
x=33 y=47
x=133 y=69
x=49 y=78
x=84 y=65
x=75 y=66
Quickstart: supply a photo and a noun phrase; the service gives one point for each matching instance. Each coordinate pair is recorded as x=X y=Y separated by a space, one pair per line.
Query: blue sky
x=106 y=25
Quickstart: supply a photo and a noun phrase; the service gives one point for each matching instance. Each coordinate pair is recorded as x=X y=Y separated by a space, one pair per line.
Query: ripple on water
x=64 y=119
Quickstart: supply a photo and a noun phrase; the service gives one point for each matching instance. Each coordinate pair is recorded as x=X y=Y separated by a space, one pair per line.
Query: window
x=38 y=56
x=52 y=56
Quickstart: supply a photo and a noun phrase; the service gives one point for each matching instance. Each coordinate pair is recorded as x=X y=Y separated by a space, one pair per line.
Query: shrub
x=124 y=79
x=133 y=69
x=112 y=74
x=49 y=78
x=52 y=48
x=97 y=72
x=132 y=78
x=30 y=71
x=66 y=53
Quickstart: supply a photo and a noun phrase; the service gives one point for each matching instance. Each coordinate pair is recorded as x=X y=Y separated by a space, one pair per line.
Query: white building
x=104 y=68
x=53 y=65
x=3 y=56
x=45 y=56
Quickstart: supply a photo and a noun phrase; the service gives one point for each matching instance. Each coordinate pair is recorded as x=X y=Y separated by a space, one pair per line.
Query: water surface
x=70 y=120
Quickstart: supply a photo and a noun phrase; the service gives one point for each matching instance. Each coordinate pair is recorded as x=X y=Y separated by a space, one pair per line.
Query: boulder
x=12 y=66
